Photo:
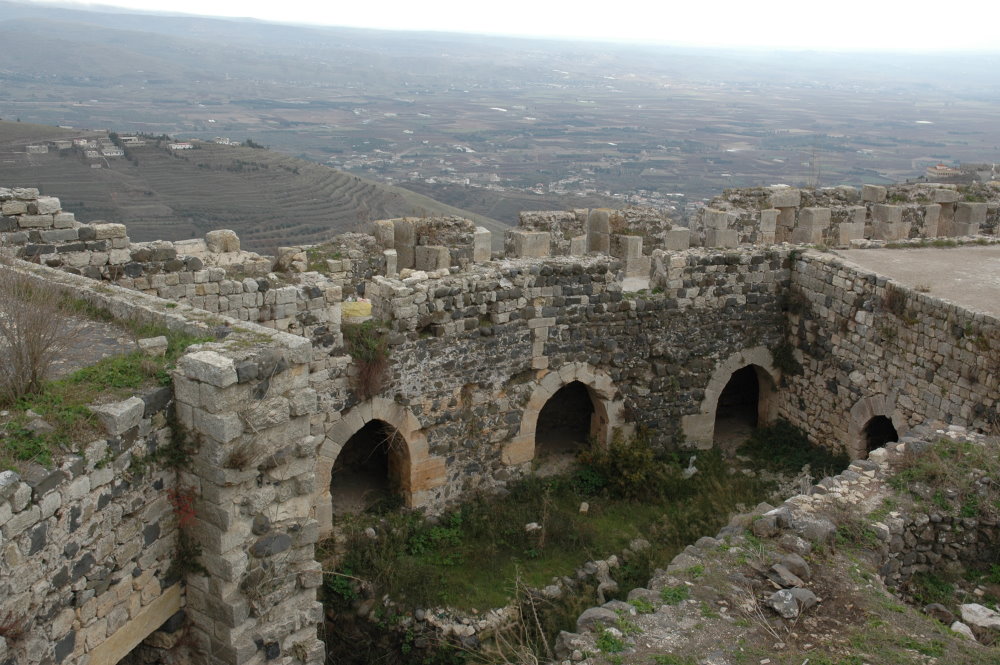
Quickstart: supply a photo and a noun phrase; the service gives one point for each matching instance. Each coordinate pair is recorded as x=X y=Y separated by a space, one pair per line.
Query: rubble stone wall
x=87 y=547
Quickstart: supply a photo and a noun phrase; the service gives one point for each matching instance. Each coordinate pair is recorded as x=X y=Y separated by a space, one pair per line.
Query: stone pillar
x=811 y=224
x=599 y=231
x=629 y=250
x=768 y=225
x=404 y=240
x=482 y=245
x=948 y=199
x=528 y=244
x=391 y=262
x=969 y=217
x=253 y=476
x=787 y=201
x=384 y=231
x=887 y=222
x=932 y=214
x=717 y=232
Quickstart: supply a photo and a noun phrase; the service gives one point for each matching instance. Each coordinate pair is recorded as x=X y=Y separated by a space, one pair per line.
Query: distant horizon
x=854 y=26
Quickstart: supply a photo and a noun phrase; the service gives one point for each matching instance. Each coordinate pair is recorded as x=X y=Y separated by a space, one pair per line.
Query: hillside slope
x=268 y=198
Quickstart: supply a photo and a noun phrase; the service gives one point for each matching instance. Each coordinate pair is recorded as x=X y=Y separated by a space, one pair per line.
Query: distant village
x=97 y=150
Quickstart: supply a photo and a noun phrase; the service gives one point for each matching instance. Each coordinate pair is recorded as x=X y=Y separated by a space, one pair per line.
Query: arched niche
x=870 y=420
x=416 y=475
x=699 y=428
x=605 y=418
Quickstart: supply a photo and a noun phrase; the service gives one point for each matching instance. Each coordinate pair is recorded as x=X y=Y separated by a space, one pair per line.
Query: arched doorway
x=739 y=396
x=739 y=408
x=369 y=471
x=606 y=409
x=565 y=424
x=877 y=432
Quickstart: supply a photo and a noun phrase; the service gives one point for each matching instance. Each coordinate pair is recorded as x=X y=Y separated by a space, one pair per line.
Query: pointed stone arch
x=606 y=418
x=420 y=474
x=699 y=428
x=862 y=413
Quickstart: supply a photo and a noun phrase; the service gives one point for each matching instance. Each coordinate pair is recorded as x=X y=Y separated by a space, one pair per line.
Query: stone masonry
x=477 y=344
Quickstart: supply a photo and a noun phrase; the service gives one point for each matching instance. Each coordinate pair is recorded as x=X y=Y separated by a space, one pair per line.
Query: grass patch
x=458 y=560
x=674 y=595
x=944 y=467
x=64 y=403
x=786 y=447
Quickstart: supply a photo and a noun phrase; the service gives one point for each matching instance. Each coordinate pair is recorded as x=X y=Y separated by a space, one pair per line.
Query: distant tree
x=250 y=143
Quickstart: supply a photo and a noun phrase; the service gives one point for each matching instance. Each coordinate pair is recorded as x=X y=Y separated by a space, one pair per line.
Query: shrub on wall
x=34 y=328
x=369 y=348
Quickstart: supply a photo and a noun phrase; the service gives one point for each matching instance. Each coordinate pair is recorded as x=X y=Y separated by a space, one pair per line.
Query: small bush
x=787 y=448
x=630 y=469
x=608 y=642
x=369 y=348
x=35 y=326
x=783 y=358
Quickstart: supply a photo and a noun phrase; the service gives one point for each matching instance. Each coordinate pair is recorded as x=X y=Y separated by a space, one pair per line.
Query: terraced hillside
x=268 y=198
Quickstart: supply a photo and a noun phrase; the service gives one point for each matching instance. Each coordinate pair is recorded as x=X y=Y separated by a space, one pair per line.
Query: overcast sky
x=830 y=25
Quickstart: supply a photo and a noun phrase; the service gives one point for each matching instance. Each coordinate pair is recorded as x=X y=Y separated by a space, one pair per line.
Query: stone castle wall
x=870 y=346
x=477 y=347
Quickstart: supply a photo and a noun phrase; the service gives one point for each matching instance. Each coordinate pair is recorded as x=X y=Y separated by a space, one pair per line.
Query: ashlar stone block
x=119 y=417
x=873 y=193
x=530 y=244
x=431 y=257
x=724 y=239
x=209 y=367
x=678 y=239
x=482 y=245
x=785 y=197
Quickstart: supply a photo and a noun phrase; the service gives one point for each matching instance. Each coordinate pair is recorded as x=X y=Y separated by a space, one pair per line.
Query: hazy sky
x=837 y=25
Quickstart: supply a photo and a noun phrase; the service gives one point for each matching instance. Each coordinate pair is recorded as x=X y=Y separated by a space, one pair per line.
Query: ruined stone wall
x=210 y=274
x=836 y=216
x=87 y=547
x=564 y=225
x=870 y=346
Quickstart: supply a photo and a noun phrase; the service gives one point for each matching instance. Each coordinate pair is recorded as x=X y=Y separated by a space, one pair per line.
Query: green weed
x=674 y=595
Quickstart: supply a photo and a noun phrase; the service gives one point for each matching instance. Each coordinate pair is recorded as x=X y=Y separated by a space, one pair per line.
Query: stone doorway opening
x=565 y=425
x=877 y=432
x=369 y=471
x=738 y=411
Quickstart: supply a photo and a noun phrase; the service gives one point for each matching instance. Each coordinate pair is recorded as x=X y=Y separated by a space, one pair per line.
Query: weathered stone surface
x=784 y=603
x=209 y=367
x=119 y=417
x=222 y=240
x=980 y=616
x=595 y=618
x=271 y=544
